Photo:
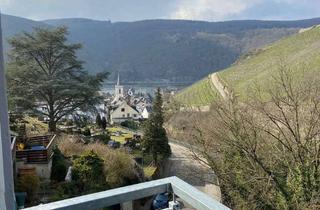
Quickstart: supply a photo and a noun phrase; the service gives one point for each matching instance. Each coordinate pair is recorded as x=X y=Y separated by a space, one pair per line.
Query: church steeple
x=118 y=89
x=118 y=81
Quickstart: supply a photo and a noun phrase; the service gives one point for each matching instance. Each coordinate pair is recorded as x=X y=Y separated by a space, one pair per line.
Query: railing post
x=127 y=205
x=7 y=200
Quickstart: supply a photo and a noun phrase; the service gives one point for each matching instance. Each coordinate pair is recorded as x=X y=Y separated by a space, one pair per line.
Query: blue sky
x=131 y=10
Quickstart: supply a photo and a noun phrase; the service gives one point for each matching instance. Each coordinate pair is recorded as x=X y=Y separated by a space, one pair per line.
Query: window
x=134 y=115
x=122 y=109
x=119 y=91
x=123 y=115
x=128 y=115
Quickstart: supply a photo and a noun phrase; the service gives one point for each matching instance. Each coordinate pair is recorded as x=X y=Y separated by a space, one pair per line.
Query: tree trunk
x=155 y=158
x=52 y=126
x=52 y=121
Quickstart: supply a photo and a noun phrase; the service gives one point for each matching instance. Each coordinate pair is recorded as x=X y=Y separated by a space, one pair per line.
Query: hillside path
x=183 y=165
x=222 y=89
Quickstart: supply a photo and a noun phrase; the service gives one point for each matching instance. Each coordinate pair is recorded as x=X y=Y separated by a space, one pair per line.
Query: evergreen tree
x=155 y=139
x=99 y=121
x=43 y=66
x=59 y=166
x=104 y=123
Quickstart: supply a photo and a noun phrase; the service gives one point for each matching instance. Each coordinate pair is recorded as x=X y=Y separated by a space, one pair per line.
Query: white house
x=123 y=112
x=146 y=112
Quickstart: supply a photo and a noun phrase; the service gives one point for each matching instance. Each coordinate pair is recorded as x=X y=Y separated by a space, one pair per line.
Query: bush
x=29 y=184
x=87 y=132
x=118 y=166
x=87 y=172
x=59 y=172
x=65 y=190
x=130 y=124
x=104 y=137
x=59 y=166
x=81 y=121
x=69 y=123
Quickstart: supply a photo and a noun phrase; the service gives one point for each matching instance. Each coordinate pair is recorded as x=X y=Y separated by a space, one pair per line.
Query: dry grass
x=35 y=127
x=149 y=171
x=118 y=166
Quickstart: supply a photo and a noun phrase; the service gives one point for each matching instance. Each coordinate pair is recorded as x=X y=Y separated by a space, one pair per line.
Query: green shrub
x=59 y=172
x=69 y=123
x=88 y=172
x=65 y=190
x=29 y=184
x=87 y=132
x=104 y=137
x=130 y=124
x=59 y=166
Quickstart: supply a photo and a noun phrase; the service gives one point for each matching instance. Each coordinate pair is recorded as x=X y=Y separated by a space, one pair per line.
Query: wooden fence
x=40 y=155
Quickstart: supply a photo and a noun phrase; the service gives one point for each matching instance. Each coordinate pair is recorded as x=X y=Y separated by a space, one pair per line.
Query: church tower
x=118 y=89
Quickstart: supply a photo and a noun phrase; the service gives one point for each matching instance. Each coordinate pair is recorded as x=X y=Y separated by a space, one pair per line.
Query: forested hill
x=163 y=50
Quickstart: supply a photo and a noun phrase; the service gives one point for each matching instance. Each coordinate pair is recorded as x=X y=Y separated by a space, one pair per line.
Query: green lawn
x=121 y=139
x=301 y=52
x=199 y=94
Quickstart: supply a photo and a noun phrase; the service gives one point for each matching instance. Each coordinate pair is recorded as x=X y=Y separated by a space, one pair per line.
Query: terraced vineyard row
x=199 y=94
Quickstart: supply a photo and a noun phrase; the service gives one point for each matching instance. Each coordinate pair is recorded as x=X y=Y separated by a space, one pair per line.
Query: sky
x=132 y=10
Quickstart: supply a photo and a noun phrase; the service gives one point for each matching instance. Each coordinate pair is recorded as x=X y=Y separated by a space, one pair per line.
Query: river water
x=147 y=88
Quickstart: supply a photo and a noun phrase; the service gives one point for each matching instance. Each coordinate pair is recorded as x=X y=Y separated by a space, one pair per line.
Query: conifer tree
x=104 y=123
x=43 y=67
x=98 y=121
x=155 y=140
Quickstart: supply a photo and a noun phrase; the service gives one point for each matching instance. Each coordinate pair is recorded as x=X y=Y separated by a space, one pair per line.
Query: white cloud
x=210 y=9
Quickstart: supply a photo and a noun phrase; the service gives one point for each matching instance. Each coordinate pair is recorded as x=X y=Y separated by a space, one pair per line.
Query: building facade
x=123 y=112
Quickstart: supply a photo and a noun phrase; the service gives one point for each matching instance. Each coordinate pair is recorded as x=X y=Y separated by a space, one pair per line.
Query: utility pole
x=7 y=200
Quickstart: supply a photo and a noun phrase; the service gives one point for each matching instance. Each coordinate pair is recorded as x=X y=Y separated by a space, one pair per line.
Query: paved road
x=183 y=165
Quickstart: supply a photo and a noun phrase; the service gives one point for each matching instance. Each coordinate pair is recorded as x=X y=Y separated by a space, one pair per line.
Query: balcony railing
x=174 y=185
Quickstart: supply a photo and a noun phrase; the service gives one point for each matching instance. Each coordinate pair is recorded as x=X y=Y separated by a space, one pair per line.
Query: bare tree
x=266 y=151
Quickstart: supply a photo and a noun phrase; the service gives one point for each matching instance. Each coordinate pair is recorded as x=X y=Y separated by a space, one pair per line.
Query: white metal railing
x=13 y=148
x=183 y=190
x=7 y=201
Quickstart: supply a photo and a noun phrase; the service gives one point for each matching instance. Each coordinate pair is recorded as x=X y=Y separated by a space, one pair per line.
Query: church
x=124 y=105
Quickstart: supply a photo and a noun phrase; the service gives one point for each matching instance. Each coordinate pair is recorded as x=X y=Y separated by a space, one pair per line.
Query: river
x=147 y=87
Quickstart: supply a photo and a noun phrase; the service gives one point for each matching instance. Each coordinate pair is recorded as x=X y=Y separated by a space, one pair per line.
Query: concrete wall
x=43 y=170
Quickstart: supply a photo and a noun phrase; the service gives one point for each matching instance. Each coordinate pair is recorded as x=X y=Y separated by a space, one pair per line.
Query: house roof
x=124 y=103
x=148 y=108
